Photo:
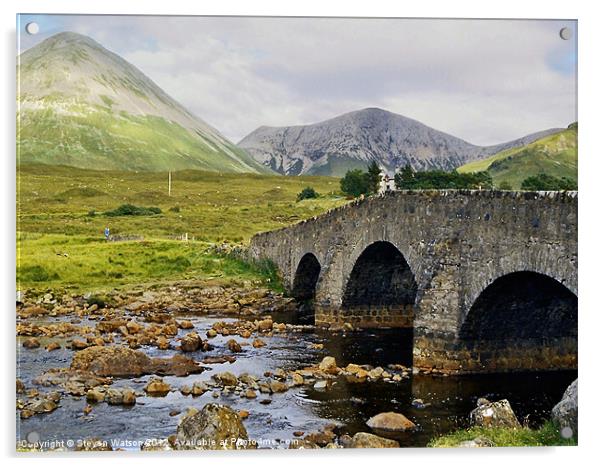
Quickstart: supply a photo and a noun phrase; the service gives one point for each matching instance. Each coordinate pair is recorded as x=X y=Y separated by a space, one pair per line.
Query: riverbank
x=546 y=435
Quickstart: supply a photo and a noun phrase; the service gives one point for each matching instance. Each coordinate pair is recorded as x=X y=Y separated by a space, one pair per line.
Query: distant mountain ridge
x=353 y=139
x=80 y=104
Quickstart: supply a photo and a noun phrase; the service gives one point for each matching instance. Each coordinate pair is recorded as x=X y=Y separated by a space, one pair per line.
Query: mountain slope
x=554 y=155
x=352 y=140
x=82 y=105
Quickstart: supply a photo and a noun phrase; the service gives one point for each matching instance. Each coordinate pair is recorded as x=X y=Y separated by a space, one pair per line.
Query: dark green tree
x=373 y=176
x=439 y=179
x=543 y=182
x=405 y=178
x=307 y=193
x=355 y=183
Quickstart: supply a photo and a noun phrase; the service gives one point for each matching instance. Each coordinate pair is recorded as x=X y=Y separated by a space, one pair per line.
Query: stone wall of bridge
x=456 y=244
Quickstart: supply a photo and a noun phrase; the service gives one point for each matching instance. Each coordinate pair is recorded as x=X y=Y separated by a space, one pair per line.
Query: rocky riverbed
x=153 y=369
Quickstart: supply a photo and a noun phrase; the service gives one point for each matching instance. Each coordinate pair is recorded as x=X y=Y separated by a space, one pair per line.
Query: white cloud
x=484 y=81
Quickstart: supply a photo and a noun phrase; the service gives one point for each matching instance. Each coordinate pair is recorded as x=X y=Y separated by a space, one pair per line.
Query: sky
x=485 y=81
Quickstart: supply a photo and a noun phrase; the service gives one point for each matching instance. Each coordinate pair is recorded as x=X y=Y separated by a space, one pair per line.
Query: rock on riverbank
x=493 y=414
x=565 y=413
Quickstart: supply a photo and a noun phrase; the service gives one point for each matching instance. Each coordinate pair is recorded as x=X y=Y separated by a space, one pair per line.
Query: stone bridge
x=487 y=280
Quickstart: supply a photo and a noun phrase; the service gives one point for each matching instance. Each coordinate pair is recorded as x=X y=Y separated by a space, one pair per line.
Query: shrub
x=505 y=186
x=130 y=209
x=91 y=213
x=307 y=193
x=543 y=182
x=36 y=273
x=100 y=301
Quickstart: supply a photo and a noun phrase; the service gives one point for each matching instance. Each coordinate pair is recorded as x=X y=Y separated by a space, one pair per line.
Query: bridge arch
x=523 y=313
x=306 y=278
x=381 y=287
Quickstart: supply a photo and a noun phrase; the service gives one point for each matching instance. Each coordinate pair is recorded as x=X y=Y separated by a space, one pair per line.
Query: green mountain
x=554 y=155
x=84 y=106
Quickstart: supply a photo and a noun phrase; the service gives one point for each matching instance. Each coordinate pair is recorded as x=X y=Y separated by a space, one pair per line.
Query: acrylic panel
x=285 y=233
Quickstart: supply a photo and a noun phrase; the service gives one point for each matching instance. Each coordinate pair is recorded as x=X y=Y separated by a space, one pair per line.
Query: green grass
x=78 y=263
x=60 y=224
x=554 y=155
x=546 y=435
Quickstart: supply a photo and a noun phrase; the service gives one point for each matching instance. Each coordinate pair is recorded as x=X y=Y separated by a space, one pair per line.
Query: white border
x=590 y=171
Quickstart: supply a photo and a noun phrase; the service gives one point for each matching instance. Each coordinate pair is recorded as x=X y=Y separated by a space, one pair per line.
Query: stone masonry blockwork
x=456 y=244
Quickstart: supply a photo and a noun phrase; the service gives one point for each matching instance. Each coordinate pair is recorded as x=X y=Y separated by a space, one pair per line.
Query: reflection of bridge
x=488 y=280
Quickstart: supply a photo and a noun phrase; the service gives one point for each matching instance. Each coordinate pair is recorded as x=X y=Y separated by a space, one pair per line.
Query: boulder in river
x=234 y=346
x=493 y=414
x=321 y=385
x=157 y=387
x=390 y=421
x=298 y=379
x=258 y=343
x=366 y=440
x=328 y=365
x=120 y=396
x=564 y=414
x=278 y=387
x=113 y=396
x=185 y=324
x=31 y=343
x=191 y=342
x=53 y=346
x=321 y=438
x=42 y=406
x=75 y=382
x=226 y=379
x=215 y=427
x=95 y=395
x=120 y=361
x=199 y=387
x=77 y=345
x=161 y=342
x=218 y=359
x=265 y=325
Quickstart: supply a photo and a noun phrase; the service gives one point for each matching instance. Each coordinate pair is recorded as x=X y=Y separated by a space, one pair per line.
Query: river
x=447 y=401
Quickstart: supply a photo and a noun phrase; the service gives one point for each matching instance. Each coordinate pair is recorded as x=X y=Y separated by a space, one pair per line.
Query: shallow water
x=349 y=405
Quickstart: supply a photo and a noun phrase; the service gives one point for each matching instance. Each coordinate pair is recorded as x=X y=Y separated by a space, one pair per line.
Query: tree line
x=358 y=182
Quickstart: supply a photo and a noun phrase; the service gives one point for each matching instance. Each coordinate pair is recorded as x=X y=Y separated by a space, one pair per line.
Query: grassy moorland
x=554 y=155
x=546 y=435
x=62 y=212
